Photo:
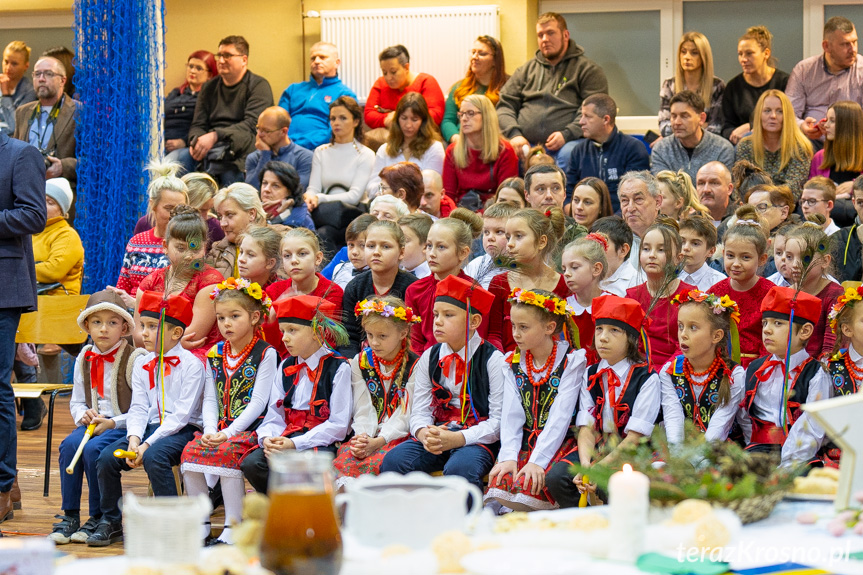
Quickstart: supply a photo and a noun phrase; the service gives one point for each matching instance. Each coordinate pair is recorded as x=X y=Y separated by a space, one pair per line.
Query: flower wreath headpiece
x=384 y=309
x=718 y=305
x=851 y=294
x=551 y=304
x=251 y=289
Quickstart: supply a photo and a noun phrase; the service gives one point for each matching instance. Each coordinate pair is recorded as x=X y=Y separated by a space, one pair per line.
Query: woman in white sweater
x=340 y=174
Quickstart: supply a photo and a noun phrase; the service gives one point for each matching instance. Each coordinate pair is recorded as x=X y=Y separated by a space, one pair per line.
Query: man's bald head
x=276 y=114
x=714 y=187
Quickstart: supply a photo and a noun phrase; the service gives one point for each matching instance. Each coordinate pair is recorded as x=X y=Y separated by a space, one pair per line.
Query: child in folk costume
x=772 y=403
x=455 y=414
x=167 y=390
x=240 y=373
x=584 y=266
x=383 y=386
x=101 y=396
x=539 y=397
x=310 y=397
x=702 y=385
x=620 y=395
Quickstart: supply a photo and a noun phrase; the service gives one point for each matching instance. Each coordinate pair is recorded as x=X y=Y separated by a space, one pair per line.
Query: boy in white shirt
x=482 y=268
x=699 y=244
x=619 y=277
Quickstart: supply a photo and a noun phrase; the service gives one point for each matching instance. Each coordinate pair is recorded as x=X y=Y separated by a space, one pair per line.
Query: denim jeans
x=473 y=462
x=71 y=485
x=183 y=157
x=9 y=318
x=563 y=155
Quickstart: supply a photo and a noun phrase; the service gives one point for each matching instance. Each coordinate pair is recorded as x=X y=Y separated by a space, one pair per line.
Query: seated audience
x=282 y=196
x=847 y=246
x=404 y=181
x=755 y=54
x=308 y=103
x=777 y=145
x=238 y=206
x=201 y=189
x=486 y=74
x=388 y=207
x=15 y=89
x=824 y=79
x=482 y=268
x=396 y=81
x=715 y=190
x=693 y=73
x=639 y=206
x=413 y=138
x=481 y=158
x=773 y=203
x=67 y=58
x=180 y=108
x=272 y=144
x=621 y=275
x=841 y=159
x=605 y=152
x=541 y=103
x=434 y=201
x=57 y=250
x=511 y=191
x=678 y=197
x=817 y=197
x=351 y=259
x=690 y=146
x=340 y=174
x=223 y=127
x=590 y=201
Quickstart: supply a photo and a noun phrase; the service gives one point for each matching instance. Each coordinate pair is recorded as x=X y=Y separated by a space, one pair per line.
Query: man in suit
x=22 y=213
x=49 y=122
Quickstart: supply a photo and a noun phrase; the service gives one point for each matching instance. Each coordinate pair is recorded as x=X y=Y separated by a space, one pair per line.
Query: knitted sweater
x=145 y=253
x=669 y=154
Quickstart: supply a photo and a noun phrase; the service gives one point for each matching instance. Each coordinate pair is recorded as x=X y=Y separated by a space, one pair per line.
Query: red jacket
x=385 y=97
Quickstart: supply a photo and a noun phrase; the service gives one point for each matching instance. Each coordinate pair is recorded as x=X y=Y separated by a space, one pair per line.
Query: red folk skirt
x=222 y=460
x=346 y=465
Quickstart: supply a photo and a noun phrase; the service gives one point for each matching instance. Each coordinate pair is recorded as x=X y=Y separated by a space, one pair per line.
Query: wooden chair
x=54 y=322
x=851 y=284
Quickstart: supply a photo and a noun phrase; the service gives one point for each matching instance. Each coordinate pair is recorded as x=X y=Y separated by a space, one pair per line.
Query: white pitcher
x=411 y=510
x=165 y=529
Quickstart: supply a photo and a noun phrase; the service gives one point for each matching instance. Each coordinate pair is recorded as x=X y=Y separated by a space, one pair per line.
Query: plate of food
x=820 y=484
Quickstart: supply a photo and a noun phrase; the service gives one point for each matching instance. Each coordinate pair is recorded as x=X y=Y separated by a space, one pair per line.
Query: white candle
x=628 y=501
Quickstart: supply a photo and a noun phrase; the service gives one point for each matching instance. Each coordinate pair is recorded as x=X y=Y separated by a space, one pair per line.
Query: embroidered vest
x=386 y=401
x=699 y=409
x=234 y=394
x=765 y=432
x=477 y=388
x=319 y=403
x=638 y=375
x=536 y=400
x=842 y=381
x=121 y=384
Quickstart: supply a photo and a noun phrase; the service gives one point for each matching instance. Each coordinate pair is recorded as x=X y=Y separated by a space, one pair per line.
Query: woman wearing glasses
x=413 y=137
x=486 y=74
x=481 y=158
x=777 y=145
x=180 y=107
x=774 y=203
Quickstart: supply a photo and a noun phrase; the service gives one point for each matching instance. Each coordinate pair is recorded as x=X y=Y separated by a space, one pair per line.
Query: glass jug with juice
x=301 y=534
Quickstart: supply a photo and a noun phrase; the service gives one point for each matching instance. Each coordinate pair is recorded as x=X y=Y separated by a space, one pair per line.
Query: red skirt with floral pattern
x=222 y=460
x=347 y=465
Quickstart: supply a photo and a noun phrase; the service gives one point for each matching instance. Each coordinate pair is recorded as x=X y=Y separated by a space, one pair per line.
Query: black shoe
x=216 y=498
x=64 y=529
x=34 y=412
x=105 y=534
x=85 y=531
x=212 y=541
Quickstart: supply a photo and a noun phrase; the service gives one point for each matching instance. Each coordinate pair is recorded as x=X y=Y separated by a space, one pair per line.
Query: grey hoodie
x=539 y=98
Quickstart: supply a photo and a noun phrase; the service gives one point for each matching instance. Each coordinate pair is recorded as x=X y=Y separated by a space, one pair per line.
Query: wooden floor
x=37 y=514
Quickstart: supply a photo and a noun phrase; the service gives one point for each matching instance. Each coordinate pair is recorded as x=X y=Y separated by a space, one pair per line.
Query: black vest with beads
x=799 y=388
x=477 y=381
x=841 y=380
x=699 y=409
x=324 y=389
x=386 y=401
x=638 y=375
x=234 y=393
x=536 y=400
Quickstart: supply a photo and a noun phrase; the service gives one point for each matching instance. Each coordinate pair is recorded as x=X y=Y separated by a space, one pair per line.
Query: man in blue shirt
x=605 y=152
x=272 y=143
x=308 y=102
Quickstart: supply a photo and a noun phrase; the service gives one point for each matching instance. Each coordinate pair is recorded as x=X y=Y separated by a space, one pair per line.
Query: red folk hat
x=778 y=301
x=622 y=312
x=178 y=308
x=302 y=309
x=456 y=291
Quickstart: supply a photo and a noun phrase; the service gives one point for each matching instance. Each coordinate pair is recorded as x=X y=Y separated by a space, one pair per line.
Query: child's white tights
x=233 y=490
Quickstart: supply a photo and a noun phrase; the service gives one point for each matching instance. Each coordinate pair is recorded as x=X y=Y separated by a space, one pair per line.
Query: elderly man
x=49 y=122
x=22 y=213
x=308 y=103
x=223 y=128
x=273 y=144
x=605 y=152
x=715 y=189
x=690 y=146
x=15 y=89
x=434 y=201
x=639 y=206
x=822 y=80
x=541 y=102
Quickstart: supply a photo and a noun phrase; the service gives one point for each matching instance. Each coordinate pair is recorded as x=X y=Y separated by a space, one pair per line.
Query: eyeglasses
x=810 y=201
x=469 y=114
x=763 y=208
x=384 y=189
x=226 y=56
x=47 y=74
x=265 y=131
x=195 y=67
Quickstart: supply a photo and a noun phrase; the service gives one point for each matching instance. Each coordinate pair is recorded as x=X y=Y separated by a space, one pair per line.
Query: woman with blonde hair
x=754 y=52
x=694 y=72
x=777 y=145
x=481 y=158
x=679 y=199
x=238 y=206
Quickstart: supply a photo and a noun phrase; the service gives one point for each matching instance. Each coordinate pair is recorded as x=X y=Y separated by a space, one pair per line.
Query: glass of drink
x=301 y=535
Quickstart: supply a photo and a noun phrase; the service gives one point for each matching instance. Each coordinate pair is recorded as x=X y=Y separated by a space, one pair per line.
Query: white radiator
x=439 y=40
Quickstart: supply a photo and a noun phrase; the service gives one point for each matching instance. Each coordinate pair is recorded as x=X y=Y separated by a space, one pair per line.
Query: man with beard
x=541 y=102
x=49 y=123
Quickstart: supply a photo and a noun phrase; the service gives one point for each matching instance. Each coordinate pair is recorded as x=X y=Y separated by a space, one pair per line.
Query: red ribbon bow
x=612 y=381
x=97 y=370
x=446 y=364
x=153 y=365
x=765 y=372
x=296 y=368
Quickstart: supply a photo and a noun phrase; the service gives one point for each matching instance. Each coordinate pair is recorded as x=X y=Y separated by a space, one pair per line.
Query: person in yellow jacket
x=57 y=250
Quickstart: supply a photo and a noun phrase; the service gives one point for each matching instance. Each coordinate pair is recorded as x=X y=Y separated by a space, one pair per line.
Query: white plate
x=810 y=497
x=518 y=561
